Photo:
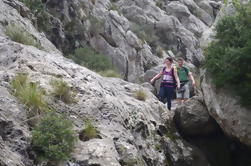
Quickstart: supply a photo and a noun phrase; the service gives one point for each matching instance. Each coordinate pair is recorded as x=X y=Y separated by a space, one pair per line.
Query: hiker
x=183 y=93
x=168 y=83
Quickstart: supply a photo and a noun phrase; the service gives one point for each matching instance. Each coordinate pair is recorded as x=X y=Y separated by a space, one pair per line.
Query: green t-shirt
x=183 y=73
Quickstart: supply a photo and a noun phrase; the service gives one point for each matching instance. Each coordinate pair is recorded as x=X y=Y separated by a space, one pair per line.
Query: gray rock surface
x=224 y=107
x=129 y=128
x=193 y=119
x=131 y=131
x=14 y=135
x=114 y=28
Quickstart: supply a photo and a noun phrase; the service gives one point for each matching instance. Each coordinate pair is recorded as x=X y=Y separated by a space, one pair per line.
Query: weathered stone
x=96 y=152
x=193 y=119
x=14 y=133
x=224 y=107
x=125 y=120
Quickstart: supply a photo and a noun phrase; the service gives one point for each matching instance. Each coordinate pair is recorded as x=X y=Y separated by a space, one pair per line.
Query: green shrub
x=110 y=73
x=171 y=135
x=38 y=9
x=53 y=138
x=146 y=33
x=36 y=6
x=157 y=147
x=18 y=34
x=160 y=52
x=62 y=91
x=89 y=132
x=29 y=95
x=160 y=4
x=140 y=94
x=87 y=57
x=18 y=82
x=112 y=6
x=96 y=26
x=228 y=57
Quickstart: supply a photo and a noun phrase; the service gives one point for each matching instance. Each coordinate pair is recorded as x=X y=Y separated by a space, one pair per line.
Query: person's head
x=168 y=61
x=180 y=61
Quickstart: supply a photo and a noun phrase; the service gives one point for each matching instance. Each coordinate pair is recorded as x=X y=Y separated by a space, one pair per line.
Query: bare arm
x=176 y=78
x=191 y=78
x=156 y=77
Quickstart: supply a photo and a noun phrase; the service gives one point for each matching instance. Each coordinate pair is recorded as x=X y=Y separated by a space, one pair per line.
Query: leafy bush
x=29 y=94
x=228 y=57
x=18 y=34
x=38 y=9
x=89 y=132
x=53 y=138
x=62 y=91
x=36 y=6
x=110 y=73
x=112 y=6
x=140 y=94
x=160 y=4
x=146 y=33
x=160 y=52
x=87 y=57
x=96 y=26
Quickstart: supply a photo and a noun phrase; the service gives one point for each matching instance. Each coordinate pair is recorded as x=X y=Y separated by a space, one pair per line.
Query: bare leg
x=180 y=101
x=185 y=100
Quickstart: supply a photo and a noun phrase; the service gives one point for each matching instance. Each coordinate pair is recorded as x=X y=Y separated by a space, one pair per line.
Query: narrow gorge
x=75 y=90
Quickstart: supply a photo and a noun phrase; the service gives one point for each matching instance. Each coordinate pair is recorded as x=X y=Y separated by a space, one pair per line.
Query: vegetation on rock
x=38 y=9
x=20 y=35
x=62 y=91
x=140 y=94
x=89 y=132
x=110 y=73
x=29 y=94
x=87 y=57
x=228 y=57
x=53 y=138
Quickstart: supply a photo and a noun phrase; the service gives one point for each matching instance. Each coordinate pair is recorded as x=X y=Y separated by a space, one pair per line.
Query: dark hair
x=170 y=59
x=180 y=59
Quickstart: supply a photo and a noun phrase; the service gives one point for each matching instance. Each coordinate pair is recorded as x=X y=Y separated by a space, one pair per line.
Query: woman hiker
x=168 y=83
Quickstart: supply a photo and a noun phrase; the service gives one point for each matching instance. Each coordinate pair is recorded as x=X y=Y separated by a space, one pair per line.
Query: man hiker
x=184 y=74
x=168 y=83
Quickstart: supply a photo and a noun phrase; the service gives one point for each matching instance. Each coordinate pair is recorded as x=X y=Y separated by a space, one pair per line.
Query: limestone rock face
x=14 y=135
x=129 y=32
x=224 y=107
x=221 y=104
x=129 y=129
x=193 y=119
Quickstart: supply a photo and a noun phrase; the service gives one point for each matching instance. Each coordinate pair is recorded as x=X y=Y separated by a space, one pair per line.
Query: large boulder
x=193 y=119
x=224 y=107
